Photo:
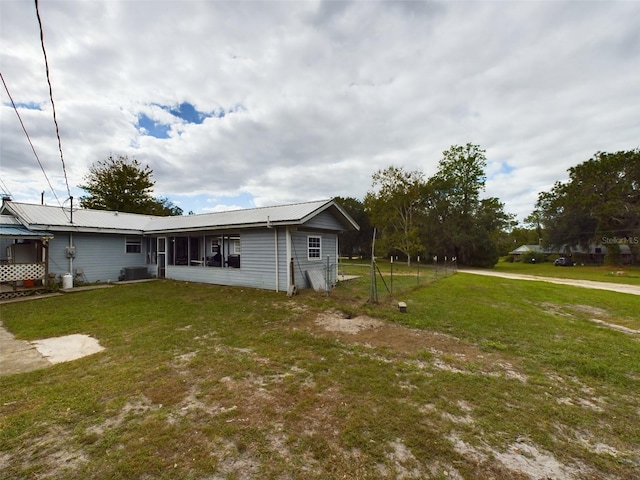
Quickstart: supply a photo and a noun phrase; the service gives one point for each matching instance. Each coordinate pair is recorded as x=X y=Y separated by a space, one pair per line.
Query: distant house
x=524 y=252
x=594 y=254
x=274 y=248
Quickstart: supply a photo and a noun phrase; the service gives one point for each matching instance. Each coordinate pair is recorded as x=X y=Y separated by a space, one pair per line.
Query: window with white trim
x=314 y=247
x=133 y=245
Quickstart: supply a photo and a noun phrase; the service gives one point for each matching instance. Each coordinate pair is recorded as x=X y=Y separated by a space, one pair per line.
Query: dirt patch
x=523 y=459
x=446 y=352
x=594 y=314
x=334 y=322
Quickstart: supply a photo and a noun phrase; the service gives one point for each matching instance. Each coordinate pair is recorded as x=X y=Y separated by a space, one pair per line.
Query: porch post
x=45 y=247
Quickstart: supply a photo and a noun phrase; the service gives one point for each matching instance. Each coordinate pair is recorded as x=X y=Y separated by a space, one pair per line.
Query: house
x=524 y=252
x=595 y=253
x=276 y=248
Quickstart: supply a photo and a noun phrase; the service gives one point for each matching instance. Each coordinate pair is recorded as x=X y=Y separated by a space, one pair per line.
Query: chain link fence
x=376 y=281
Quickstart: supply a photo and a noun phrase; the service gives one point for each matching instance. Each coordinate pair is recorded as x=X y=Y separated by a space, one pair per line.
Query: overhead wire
x=24 y=129
x=5 y=190
x=53 y=105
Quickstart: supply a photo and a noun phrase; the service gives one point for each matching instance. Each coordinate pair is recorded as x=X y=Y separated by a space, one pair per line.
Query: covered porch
x=23 y=259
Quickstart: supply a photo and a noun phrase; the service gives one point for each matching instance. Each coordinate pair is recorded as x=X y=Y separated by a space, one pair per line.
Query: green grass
x=601 y=273
x=201 y=381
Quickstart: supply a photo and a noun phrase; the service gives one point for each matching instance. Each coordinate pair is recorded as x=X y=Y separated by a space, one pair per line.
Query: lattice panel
x=11 y=272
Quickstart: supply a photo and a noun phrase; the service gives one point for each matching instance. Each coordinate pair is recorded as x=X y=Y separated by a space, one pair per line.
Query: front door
x=162 y=257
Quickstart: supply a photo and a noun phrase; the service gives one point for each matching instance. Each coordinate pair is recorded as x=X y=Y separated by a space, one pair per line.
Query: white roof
x=62 y=219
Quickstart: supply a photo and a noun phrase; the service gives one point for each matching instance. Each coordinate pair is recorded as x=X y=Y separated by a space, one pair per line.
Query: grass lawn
x=482 y=378
x=605 y=273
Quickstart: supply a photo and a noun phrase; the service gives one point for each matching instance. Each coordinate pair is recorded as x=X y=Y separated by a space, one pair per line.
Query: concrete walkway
x=18 y=356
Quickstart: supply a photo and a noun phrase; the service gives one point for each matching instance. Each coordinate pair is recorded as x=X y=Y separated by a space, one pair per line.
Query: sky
x=238 y=104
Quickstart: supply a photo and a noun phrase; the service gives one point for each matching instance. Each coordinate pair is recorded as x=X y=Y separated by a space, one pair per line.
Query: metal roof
x=59 y=219
x=294 y=214
x=11 y=227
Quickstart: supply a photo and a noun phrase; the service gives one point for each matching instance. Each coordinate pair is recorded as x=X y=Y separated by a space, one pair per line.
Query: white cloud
x=319 y=95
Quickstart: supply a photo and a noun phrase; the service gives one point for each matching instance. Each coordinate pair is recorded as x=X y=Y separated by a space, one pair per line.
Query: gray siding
x=325 y=221
x=257 y=264
x=300 y=253
x=100 y=256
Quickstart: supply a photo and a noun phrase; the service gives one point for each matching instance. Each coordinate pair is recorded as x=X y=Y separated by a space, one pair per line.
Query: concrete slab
x=17 y=356
x=67 y=348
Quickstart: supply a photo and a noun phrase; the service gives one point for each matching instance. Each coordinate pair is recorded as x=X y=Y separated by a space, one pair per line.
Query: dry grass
x=477 y=380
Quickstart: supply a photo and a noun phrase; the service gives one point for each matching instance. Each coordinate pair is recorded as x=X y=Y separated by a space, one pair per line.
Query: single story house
x=525 y=251
x=276 y=248
x=594 y=254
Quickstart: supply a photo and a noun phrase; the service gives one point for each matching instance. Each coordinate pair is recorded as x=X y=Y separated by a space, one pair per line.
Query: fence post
x=391 y=276
x=327 y=279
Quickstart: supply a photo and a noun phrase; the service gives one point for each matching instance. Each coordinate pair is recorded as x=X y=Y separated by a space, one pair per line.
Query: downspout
x=275 y=235
x=337 y=256
x=70 y=253
x=290 y=273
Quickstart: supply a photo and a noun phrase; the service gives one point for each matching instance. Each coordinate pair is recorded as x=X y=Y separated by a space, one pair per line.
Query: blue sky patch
x=506 y=169
x=153 y=128
x=187 y=112
x=29 y=105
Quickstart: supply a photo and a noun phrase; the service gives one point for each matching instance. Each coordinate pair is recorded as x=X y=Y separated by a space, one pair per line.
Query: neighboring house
x=274 y=248
x=595 y=254
x=524 y=251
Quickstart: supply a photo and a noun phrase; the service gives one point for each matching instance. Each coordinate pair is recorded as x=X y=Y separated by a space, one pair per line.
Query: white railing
x=12 y=272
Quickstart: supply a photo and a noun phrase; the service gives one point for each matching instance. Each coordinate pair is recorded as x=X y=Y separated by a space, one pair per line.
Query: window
x=235 y=245
x=132 y=245
x=314 y=248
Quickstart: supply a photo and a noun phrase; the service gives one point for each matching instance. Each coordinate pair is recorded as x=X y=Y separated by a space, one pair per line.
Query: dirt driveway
x=613 y=287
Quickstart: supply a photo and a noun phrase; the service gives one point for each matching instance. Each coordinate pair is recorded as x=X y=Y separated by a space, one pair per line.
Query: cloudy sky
x=242 y=104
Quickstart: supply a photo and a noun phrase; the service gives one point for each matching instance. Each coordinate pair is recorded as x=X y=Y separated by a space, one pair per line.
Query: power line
x=29 y=138
x=5 y=190
x=55 y=120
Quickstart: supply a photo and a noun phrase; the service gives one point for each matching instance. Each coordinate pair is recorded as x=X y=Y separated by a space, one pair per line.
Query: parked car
x=563 y=262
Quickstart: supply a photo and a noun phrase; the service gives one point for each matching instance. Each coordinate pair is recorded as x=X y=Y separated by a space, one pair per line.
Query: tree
x=355 y=241
x=459 y=224
x=600 y=203
x=395 y=208
x=123 y=185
